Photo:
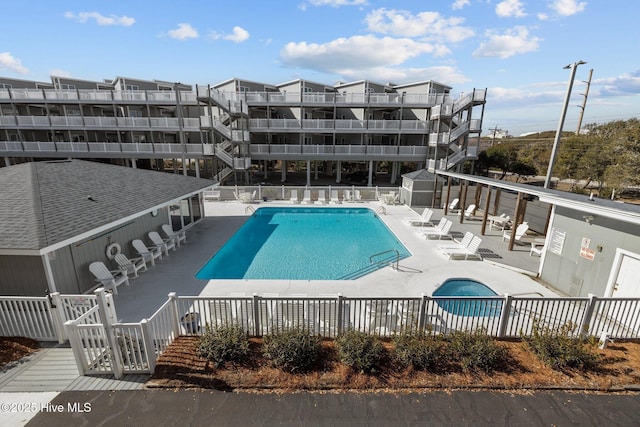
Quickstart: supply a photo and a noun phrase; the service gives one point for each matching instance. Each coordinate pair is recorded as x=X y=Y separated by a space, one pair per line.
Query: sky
x=516 y=49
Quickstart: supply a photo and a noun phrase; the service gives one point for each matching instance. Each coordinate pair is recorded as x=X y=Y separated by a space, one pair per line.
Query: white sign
x=556 y=242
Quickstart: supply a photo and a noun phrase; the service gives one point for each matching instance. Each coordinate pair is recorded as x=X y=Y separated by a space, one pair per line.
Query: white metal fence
x=102 y=345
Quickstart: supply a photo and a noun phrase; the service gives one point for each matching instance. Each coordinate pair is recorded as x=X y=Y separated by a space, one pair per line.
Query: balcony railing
x=78 y=122
x=311 y=125
x=106 y=149
x=346 y=151
x=92 y=95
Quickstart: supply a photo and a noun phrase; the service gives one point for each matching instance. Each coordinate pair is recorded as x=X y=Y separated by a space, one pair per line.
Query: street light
x=573 y=67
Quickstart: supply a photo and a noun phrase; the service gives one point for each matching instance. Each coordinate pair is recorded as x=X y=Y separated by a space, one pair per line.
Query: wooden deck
x=53 y=369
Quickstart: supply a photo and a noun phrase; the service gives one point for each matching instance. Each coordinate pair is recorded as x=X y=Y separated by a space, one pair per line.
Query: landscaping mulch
x=181 y=367
x=12 y=349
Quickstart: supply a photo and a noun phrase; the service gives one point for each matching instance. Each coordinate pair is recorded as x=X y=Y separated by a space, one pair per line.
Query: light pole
x=556 y=140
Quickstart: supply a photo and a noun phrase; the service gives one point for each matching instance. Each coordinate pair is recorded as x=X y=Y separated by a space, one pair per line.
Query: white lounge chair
x=436 y=227
x=500 y=222
x=536 y=249
x=306 y=197
x=453 y=206
x=294 y=197
x=423 y=221
x=130 y=265
x=521 y=230
x=177 y=236
x=468 y=213
x=464 y=243
x=109 y=279
x=335 y=200
x=357 y=197
x=322 y=200
x=471 y=251
x=159 y=242
x=442 y=233
x=347 y=196
x=149 y=254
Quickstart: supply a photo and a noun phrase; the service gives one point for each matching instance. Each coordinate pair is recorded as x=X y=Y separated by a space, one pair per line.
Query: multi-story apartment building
x=237 y=126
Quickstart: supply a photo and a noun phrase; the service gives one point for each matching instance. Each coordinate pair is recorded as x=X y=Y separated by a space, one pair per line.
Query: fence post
x=340 y=314
x=588 y=314
x=116 y=362
x=70 y=328
x=57 y=314
x=422 y=312
x=111 y=309
x=175 y=314
x=256 y=315
x=149 y=348
x=504 y=316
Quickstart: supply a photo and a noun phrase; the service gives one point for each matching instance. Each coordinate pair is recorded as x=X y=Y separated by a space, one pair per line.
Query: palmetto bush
x=292 y=350
x=222 y=344
x=360 y=351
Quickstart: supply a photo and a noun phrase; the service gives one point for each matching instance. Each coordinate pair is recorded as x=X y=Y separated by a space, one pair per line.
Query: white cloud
x=100 y=19
x=354 y=53
x=59 y=73
x=510 y=8
x=239 y=35
x=183 y=32
x=512 y=42
x=9 y=62
x=623 y=85
x=430 y=25
x=338 y=3
x=399 y=75
x=567 y=7
x=459 y=4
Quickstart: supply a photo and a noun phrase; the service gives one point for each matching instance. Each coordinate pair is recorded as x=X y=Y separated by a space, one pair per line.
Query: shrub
x=292 y=349
x=360 y=351
x=417 y=349
x=476 y=351
x=221 y=344
x=561 y=349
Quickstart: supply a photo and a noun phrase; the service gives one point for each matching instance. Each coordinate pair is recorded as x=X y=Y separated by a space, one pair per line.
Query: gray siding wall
x=578 y=276
x=22 y=276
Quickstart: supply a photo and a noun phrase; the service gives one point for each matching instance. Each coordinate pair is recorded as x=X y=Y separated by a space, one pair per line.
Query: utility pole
x=573 y=67
x=493 y=140
x=584 y=102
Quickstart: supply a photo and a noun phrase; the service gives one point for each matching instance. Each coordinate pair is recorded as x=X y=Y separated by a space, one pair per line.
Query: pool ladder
x=249 y=210
x=381 y=209
x=395 y=264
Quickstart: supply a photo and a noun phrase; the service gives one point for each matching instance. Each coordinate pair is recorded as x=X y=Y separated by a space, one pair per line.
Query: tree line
x=606 y=156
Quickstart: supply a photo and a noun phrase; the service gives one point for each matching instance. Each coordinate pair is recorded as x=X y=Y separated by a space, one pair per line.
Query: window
x=67 y=87
x=132 y=87
x=5 y=86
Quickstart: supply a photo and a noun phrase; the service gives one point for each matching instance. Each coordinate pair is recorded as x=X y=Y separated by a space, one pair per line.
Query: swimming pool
x=305 y=243
x=459 y=287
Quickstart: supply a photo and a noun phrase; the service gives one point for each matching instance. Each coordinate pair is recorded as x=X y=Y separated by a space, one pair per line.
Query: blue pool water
x=300 y=243
x=467 y=307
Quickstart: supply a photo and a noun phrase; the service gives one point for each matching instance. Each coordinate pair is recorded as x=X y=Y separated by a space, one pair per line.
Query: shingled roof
x=44 y=203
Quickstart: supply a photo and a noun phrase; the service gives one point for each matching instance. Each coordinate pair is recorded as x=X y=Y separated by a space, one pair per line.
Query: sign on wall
x=585 y=252
x=556 y=242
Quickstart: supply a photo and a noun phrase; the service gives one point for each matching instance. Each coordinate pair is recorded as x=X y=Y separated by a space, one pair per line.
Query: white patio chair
x=521 y=231
x=357 y=197
x=130 y=265
x=442 y=233
x=471 y=251
x=468 y=213
x=294 y=197
x=322 y=200
x=306 y=198
x=346 y=196
x=110 y=279
x=149 y=254
x=424 y=219
x=159 y=242
x=335 y=200
x=177 y=236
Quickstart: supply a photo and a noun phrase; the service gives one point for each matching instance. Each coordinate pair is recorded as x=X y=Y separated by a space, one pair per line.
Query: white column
x=370 y=182
x=308 y=172
x=283 y=171
x=339 y=172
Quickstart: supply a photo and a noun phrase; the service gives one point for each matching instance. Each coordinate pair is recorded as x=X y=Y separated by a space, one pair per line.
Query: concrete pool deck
x=504 y=271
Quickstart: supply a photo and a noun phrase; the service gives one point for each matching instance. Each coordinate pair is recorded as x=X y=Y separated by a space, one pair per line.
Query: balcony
x=338 y=126
x=102 y=149
x=337 y=152
x=91 y=122
x=98 y=96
